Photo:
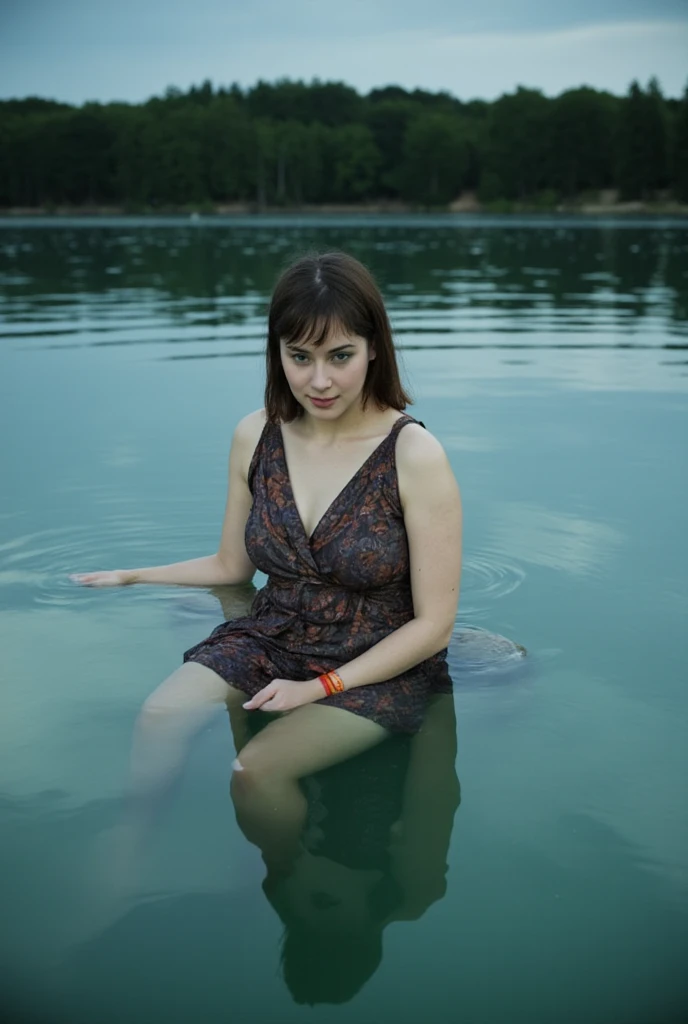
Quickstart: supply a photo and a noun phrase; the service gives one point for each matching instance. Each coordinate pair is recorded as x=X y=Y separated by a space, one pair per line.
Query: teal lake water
x=550 y=357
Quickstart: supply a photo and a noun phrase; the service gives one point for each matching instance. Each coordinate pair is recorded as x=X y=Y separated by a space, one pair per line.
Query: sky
x=80 y=50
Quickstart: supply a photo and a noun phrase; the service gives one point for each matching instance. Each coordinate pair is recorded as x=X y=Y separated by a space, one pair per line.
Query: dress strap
x=400 y=423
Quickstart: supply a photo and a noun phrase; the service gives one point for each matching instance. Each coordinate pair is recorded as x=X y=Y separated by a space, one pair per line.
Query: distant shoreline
x=464 y=205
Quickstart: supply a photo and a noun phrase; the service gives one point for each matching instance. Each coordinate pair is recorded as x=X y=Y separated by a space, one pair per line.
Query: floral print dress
x=330 y=596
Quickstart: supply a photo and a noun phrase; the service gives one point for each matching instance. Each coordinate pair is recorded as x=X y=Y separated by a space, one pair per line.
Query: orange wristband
x=336 y=682
x=331 y=683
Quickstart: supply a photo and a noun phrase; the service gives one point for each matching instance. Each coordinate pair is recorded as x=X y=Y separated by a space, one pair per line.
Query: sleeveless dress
x=329 y=597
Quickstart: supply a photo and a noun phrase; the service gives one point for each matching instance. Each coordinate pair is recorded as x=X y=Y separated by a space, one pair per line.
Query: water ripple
x=486 y=577
x=40 y=563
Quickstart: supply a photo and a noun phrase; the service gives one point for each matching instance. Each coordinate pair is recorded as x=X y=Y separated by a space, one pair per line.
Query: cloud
x=88 y=54
x=175 y=21
x=487 y=64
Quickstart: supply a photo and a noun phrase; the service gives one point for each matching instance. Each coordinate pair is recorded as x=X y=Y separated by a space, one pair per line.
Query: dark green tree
x=388 y=120
x=519 y=144
x=435 y=159
x=87 y=145
x=329 y=103
x=227 y=139
x=357 y=159
x=641 y=143
x=679 y=149
x=580 y=151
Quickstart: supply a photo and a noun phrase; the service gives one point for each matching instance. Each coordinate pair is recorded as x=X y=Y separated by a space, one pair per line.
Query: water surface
x=550 y=357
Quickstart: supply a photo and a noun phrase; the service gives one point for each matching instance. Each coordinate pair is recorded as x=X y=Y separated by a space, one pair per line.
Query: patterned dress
x=329 y=597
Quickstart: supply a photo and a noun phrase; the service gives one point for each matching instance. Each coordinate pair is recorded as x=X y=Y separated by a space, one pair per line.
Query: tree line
x=294 y=143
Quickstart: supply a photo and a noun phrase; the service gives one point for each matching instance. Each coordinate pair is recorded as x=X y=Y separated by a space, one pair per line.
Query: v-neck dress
x=329 y=597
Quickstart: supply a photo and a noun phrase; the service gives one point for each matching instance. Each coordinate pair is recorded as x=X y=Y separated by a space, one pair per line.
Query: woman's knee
x=160 y=717
x=180 y=700
x=255 y=769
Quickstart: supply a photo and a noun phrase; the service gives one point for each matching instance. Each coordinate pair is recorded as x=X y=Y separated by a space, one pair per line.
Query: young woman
x=351 y=509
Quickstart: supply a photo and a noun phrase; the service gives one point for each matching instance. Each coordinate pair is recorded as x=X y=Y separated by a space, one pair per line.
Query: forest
x=292 y=144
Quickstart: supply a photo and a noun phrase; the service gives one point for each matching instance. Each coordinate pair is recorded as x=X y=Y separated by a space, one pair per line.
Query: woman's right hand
x=114 y=578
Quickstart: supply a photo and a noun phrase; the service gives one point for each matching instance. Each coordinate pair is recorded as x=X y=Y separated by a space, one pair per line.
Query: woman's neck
x=355 y=422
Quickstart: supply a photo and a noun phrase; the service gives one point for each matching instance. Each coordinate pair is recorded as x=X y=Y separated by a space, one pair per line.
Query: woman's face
x=327 y=380
x=326 y=896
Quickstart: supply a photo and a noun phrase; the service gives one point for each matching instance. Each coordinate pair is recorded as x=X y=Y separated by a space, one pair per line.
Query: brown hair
x=318 y=293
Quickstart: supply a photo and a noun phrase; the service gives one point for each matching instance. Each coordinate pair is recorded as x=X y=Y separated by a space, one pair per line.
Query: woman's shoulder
x=424 y=473
x=247 y=434
x=416 y=446
x=249 y=429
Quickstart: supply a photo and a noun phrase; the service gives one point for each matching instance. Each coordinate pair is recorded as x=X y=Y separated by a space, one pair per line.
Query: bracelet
x=331 y=683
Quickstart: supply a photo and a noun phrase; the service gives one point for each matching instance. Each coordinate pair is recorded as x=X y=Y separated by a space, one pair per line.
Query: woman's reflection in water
x=373 y=850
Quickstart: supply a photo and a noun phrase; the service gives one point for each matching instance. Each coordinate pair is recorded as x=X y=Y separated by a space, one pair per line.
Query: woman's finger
x=258 y=699
x=86 y=578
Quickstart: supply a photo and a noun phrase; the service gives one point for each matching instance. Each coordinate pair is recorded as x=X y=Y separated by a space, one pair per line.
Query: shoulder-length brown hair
x=315 y=295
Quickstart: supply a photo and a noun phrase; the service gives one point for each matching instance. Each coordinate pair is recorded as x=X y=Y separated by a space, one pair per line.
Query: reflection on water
x=209 y=284
x=558 y=540
x=375 y=852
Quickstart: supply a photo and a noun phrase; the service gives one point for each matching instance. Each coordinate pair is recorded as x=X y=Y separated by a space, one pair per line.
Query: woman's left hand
x=285 y=694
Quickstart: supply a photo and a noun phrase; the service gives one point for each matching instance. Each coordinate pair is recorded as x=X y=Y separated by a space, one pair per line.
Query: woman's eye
x=342 y=357
x=299 y=357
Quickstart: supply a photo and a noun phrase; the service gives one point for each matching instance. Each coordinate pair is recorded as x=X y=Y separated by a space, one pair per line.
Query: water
x=550 y=358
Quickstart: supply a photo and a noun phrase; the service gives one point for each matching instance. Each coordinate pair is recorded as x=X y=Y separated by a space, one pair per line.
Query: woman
x=351 y=509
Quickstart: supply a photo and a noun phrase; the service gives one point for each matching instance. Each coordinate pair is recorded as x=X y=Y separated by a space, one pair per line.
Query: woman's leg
x=270 y=807
x=169 y=720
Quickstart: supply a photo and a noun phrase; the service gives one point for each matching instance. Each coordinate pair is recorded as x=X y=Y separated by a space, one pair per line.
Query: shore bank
x=466 y=204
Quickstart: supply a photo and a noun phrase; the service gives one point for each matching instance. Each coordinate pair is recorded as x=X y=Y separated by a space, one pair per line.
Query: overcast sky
x=76 y=50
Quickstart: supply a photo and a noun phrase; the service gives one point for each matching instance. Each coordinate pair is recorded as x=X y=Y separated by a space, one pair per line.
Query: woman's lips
x=322 y=403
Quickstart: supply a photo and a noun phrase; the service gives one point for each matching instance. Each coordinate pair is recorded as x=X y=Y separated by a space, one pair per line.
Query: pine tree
x=642 y=143
x=680 y=150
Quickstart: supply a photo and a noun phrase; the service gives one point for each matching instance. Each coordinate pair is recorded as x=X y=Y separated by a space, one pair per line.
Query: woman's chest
x=321 y=480
x=359 y=540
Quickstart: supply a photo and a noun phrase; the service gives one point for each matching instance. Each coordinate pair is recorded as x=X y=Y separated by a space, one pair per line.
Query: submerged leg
x=270 y=806
x=170 y=718
x=168 y=722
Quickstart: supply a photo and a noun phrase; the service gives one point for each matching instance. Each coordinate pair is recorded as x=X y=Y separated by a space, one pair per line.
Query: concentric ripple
x=35 y=567
x=486 y=577
x=41 y=562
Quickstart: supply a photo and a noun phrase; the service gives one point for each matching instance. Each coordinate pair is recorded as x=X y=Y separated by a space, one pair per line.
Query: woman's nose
x=321 y=379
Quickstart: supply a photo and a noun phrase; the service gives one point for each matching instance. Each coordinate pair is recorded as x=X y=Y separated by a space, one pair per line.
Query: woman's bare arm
x=230 y=564
x=433 y=519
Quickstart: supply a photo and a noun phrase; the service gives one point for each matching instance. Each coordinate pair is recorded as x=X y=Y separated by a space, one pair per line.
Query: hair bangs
x=305 y=330
x=313 y=322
